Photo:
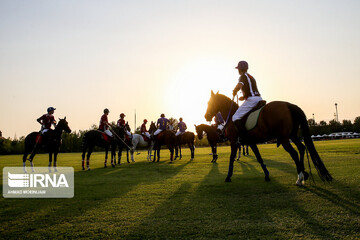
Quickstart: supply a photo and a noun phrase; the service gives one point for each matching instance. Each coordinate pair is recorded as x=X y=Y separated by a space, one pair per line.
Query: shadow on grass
x=93 y=189
x=246 y=208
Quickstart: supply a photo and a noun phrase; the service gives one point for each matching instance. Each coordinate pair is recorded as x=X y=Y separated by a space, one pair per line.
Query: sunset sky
x=157 y=57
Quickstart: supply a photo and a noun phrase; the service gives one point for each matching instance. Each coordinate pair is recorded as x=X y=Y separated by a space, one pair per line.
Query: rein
x=119 y=138
x=228 y=117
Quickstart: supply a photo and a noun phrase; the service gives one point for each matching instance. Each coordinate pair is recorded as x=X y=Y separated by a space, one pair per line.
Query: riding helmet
x=106 y=110
x=162 y=115
x=122 y=115
x=51 y=109
x=242 y=65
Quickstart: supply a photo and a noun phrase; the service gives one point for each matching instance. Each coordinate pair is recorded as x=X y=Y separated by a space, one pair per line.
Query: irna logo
x=37 y=180
x=38 y=184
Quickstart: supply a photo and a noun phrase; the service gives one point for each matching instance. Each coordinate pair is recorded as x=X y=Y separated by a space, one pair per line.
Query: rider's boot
x=241 y=131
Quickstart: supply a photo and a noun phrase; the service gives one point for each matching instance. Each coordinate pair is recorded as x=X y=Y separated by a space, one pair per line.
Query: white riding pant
x=128 y=133
x=157 y=131
x=178 y=133
x=107 y=131
x=246 y=107
x=44 y=131
x=220 y=126
x=147 y=134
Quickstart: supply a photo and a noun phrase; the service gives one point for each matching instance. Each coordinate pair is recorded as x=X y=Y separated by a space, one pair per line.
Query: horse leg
x=260 y=160
x=176 y=152
x=191 y=146
x=234 y=149
x=55 y=159
x=171 y=153
x=239 y=154
x=50 y=160
x=127 y=155
x=132 y=154
x=119 y=155
x=180 y=152
x=295 y=156
x=155 y=147
x=91 y=148
x=213 y=150
x=83 y=159
x=24 y=161
x=158 y=153
x=301 y=149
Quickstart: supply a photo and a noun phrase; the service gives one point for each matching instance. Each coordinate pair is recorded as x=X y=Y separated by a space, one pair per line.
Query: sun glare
x=189 y=88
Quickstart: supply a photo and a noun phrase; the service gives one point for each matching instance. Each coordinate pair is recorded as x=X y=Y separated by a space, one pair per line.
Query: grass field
x=190 y=200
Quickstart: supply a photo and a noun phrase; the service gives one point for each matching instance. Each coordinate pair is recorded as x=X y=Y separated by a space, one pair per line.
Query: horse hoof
x=83 y=168
x=105 y=166
x=191 y=159
x=267 y=179
x=227 y=179
x=299 y=184
x=113 y=165
x=88 y=169
x=306 y=175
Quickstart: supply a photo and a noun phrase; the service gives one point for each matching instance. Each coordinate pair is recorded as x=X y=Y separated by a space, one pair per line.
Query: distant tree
x=311 y=122
x=137 y=131
x=356 y=125
x=347 y=126
x=334 y=126
x=173 y=123
x=323 y=123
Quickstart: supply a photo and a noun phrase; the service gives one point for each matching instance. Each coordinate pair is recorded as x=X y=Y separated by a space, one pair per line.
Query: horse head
x=127 y=127
x=220 y=103
x=152 y=127
x=212 y=108
x=199 y=132
x=63 y=125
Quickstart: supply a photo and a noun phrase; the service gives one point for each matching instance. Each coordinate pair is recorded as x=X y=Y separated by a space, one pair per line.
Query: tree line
x=71 y=142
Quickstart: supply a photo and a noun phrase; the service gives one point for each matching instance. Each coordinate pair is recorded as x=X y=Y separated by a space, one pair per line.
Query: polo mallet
x=36 y=143
x=120 y=138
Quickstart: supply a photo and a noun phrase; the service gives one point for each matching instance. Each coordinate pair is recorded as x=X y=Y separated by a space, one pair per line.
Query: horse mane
x=225 y=100
x=224 y=103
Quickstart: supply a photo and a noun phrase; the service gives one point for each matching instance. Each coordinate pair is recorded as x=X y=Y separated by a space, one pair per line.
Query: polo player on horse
x=143 y=130
x=251 y=97
x=47 y=120
x=104 y=123
x=181 y=127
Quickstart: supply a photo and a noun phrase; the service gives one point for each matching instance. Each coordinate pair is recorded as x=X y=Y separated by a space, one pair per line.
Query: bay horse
x=166 y=137
x=185 y=138
x=49 y=141
x=277 y=120
x=212 y=137
x=98 y=138
x=124 y=142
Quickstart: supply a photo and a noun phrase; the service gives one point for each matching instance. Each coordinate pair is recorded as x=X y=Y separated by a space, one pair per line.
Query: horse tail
x=299 y=115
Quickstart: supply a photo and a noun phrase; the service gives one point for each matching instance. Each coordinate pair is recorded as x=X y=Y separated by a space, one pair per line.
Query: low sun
x=189 y=88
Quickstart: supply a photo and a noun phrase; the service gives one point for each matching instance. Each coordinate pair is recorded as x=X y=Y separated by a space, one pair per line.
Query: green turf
x=190 y=200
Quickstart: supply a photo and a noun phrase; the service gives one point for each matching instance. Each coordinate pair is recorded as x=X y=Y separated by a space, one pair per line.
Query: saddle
x=39 y=138
x=251 y=118
x=146 y=139
x=104 y=136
